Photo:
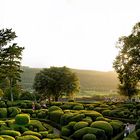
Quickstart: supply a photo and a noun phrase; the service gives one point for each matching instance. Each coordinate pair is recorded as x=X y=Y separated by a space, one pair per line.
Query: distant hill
x=89 y=79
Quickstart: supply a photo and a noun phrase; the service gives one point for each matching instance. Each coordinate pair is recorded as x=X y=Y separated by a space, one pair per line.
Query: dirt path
x=56 y=131
x=132 y=127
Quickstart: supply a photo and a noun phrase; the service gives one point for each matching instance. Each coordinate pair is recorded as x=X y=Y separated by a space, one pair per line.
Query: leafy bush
x=10 y=133
x=100 y=134
x=20 y=128
x=71 y=125
x=28 y=137
x=22 y=119
x=80 y=125
x=1 y=138
x=42 y=113
x=105 y=126
x=106 y=112
x=29 y=111
x=53 y=136
x=54 y=108
x=6 y=137
x=66 y=118
x=44 y=134
x=103 y=119
x=65 y=131
x=27 y=96
x=137 y=124
x=77 y=117
x=2 y=104
x=56 y=115
x=89 y=137
x=66 y=106
x=3 y=112
x=32 y=133
x=13 y=111
x=78 y=107
x=87 y=119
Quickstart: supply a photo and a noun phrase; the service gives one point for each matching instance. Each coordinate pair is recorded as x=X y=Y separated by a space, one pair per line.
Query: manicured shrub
x=1 y=138
x=27 y=96
x=65 y=131
x=13 y=111
x=87 y=119
x=55 y=115
x=100 y=134
x=44 y=134
x=93 y=114
x=6 y=137
x=42 y=113
x=56 y=103
x=66 y=118
x=38 y=125
x=28 y=137
x=137 y=124
x=28 y=111
x=54 y=108
x=17 y=127
x=71 y=125
x=103 y=119
x=106 y=112
x=80 y=125
x=77 y=117
x=66 y=106
x=117 y=127
x=3 y=112
x=105 y=126
x=10 y=133
x=22 y=119
x=78 y=107
x=3 y=104
x=53 y=136
x=32 y=133
x=89 y=137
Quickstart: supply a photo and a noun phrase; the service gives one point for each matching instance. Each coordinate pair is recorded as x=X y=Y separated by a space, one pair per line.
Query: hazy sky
x=75 y=33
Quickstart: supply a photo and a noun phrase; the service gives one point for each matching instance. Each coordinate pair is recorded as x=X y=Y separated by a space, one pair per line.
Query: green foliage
x=89 y=137
x=53 y=136
x=32 y=133
x=43 y=134
x=137 y=124
x=13 y=111
x=127 y=62
x=28 y=137
x=27 y=96
x=65 y=131
x=2 y=104
x=6 y=137
x=105 y=126
x=80 y=125
x=54 y=108
x=10 y=133
x=138 y=133
x=3 y=112
x=78 y=107
x=22 y=119
x=87 y=119
x=77 y=117
x=59 y=80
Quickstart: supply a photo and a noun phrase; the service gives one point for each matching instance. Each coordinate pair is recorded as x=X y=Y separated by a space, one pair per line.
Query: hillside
x=89 y=79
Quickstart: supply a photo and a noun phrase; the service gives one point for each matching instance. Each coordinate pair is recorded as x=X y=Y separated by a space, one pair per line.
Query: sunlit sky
x=78 y=34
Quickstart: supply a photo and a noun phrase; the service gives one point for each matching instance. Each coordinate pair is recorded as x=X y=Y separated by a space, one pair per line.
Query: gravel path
x=56 y=131
x=132 y=127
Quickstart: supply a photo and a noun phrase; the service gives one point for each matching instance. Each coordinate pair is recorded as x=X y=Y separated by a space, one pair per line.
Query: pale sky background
x=76 y=33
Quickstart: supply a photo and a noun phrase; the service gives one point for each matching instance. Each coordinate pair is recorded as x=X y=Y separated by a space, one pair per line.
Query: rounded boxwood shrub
x=54 y=108
x=87 y=119
x=53 y=136
x=32 y=133
x=89 y=137
x=22 y=119
x=13 y=111
x=6 y=137
x=103 y=119
x=2 y=104
x=93 y=114
x=100 y=134
x=138 y=133
x=3 y=112
x=106 y=112
x=80 y=125
x=1 y=138
x=10 y=133
x=43 y=134
x=55 y=115
x=65 y=131
x=66 y=106
x=105 y=126
x=77 y=117
x=66 y=118
x=20 y=128
x=27 y=137
x=78 y=107
x=71 y=125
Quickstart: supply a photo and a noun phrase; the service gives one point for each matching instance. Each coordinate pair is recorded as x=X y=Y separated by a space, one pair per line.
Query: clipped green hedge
x=87 y=119
x=65 y=131
x=80 y=125
x=105 y=126
x=6 y=137
x=66 y=118
x=28 y=137
x=32 y=133
x=43 y=134
x=89 y=137
x=54 y=108
x=13 y=111
x=78 y=107
x=22 y=119
x=3 y=112
x=10 y=133
x=77 y=117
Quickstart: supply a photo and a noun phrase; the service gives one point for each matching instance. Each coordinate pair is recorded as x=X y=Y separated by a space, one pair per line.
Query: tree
x=10 y=56
x=127 y=63
x=54 y=82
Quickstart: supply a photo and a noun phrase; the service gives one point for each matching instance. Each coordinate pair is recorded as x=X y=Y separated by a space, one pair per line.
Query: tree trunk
x=56 y=98
x=11 y=93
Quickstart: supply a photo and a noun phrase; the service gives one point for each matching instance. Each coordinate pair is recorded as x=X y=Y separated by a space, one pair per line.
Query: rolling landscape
x=90 y=80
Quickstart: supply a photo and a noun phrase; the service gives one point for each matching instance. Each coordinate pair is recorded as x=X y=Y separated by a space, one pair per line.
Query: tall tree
x=10 y=56
x=56 y=81
x=127 y=63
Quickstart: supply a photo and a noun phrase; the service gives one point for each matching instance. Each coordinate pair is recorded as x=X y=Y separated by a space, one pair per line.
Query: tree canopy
x=54 y=82
x=127 y=62
x=10 y=56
